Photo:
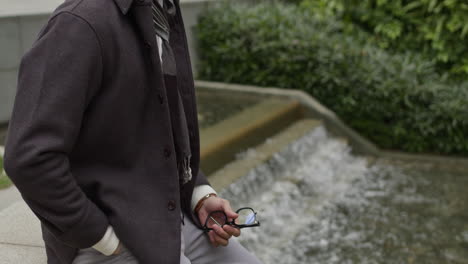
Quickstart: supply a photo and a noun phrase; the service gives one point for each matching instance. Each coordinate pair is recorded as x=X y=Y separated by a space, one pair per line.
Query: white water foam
x=290 y=190
x=317 y=203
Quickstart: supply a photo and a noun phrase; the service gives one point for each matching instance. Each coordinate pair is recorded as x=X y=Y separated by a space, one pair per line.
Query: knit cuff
x=199 y=192
x=109 y=242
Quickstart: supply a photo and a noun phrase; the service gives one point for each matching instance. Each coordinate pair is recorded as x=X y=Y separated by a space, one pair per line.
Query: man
x=103 y=141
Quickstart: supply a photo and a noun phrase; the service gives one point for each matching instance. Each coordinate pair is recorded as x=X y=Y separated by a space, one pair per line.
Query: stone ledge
x=336 y=126
x=221 y=142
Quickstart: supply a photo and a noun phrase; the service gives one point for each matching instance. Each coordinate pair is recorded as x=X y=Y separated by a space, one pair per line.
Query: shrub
x=397 y=101
x=436 y=28
x=4 y=180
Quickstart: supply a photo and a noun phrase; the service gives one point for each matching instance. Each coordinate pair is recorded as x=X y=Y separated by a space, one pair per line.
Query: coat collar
x=124 y=5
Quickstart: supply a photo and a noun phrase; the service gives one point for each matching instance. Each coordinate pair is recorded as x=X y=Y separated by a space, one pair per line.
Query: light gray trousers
x=195 y=249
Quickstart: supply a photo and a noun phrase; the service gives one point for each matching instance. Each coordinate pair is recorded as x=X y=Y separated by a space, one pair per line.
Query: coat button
x=167 y=153
x=141 y=1
x=147 y=44
x=171 y=205
x=161 y=99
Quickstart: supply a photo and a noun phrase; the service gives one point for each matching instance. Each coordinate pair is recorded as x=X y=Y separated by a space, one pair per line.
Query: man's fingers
x=217 y=240
x=220 y=232
x=212 y=235
x=232 y=230
x=228 y=210
x=221 y=241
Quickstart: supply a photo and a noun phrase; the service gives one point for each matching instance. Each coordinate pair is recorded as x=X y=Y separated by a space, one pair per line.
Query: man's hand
x=219 y=235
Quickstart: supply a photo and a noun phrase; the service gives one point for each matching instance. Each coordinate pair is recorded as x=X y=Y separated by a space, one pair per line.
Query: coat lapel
x=140 y=13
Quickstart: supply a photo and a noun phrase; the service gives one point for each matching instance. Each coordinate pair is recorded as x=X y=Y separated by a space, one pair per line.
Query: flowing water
x=318 y=203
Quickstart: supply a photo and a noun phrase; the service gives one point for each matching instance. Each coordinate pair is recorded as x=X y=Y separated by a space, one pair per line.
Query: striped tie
x=160 y=23
x=162 y=28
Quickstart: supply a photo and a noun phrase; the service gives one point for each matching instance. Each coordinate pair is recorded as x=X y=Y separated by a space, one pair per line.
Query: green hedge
x=436 y=28
x=4 y=180
x=397 y=101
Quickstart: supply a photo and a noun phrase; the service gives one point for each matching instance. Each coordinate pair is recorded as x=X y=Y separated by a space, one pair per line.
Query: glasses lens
x=246 y=217
x=216 y=218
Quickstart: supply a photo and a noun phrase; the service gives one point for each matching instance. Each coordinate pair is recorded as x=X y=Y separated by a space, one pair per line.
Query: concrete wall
x=16 y=36
x=19 y=27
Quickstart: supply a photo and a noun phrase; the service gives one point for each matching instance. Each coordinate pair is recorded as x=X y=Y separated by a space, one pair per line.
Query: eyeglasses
x=247 y=218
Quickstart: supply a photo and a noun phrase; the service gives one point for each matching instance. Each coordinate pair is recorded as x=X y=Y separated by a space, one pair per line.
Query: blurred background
x=396 y=71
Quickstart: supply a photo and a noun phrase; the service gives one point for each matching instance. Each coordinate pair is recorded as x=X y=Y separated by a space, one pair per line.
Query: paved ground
x=20 y=236
x=20 y=232
x=8 y=197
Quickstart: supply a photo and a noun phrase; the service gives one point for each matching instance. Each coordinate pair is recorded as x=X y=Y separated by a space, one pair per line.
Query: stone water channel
x=317 y=203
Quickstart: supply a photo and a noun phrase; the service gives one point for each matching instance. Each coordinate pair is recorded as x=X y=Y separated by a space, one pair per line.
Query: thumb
x=229 y=212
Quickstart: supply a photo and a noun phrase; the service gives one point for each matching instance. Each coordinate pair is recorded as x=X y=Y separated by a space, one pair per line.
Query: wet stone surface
x=215 y=106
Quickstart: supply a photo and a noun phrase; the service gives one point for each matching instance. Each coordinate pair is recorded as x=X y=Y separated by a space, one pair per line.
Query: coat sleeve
x=57 y=79
x=201 y=179
x=202 y=187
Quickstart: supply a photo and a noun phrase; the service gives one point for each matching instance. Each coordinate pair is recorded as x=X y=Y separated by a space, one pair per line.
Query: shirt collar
x=125 y=5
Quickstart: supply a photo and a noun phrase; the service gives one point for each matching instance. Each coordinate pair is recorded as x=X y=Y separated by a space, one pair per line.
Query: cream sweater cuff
x=199 y=192
x=109 y=242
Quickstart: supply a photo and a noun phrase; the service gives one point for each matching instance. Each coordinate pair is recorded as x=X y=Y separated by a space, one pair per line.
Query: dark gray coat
x=90 y=142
